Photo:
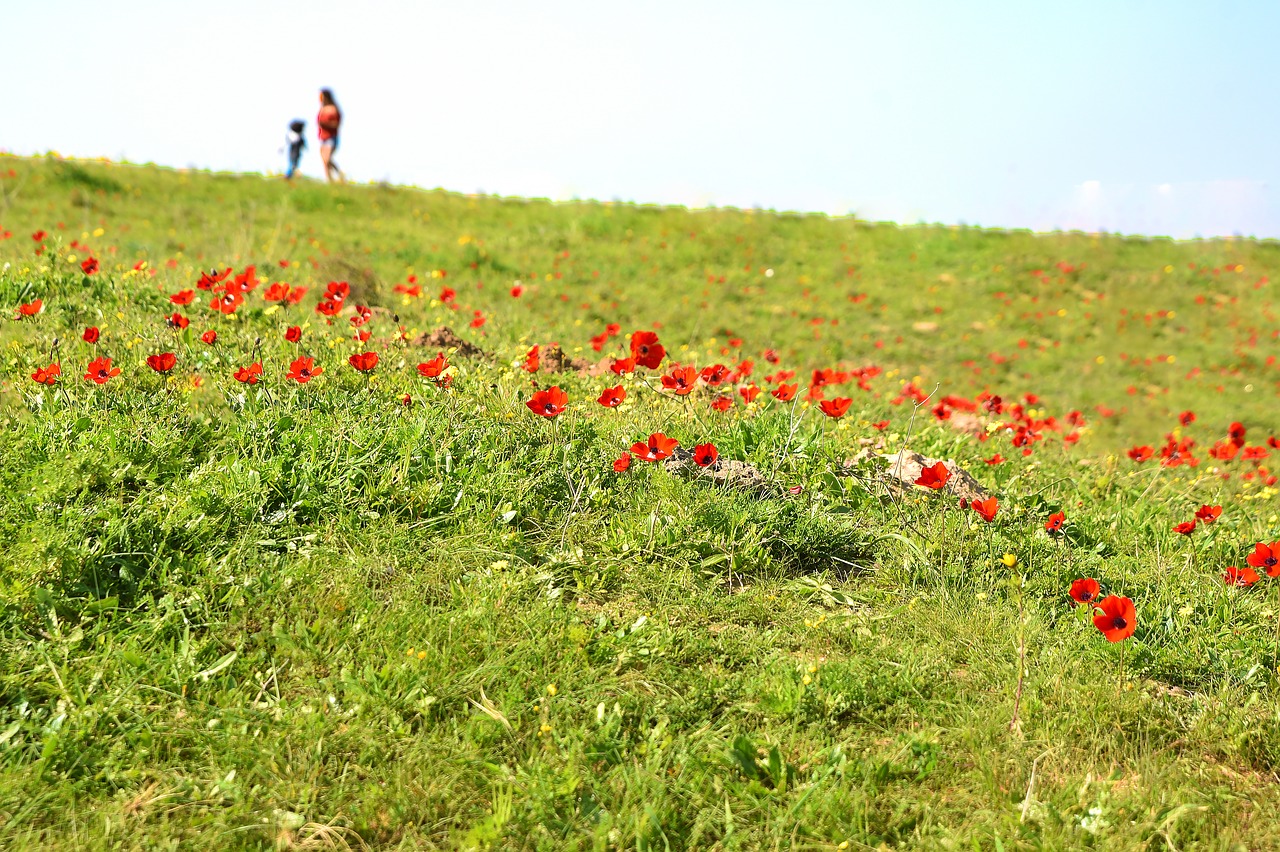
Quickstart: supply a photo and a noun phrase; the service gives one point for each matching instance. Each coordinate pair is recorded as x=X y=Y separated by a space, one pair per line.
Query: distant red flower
x=612 y=397
x=548 y=403
x=749 y=393
x=835 y=408
x=516 y=291
x=163 y=362
x=477 y=319
x=328 y=307
x=1186 y=418
x=364 y=361
x=1117 y=619
x=715 y=375
x=249 y=375
x=210 y=337
x=657 y=448
x=533 y=359
x=183 y=297
x=1056 y=522
x=1185 y=528
x=785 y=393
x=1236 y=432
x=681 y=380
x=622 y=463
x=722 y=403
x=177 y=320
x=30 y=309
x=1084 y=590
x=646 y=349
x=277 y=292
x=881 y=425
x=91 y=334
x=1207 y=514
x=1242 y=577
x=621 y=366
x=100 y=370
x=1267 y=557
x=934 y=477
x=303 y=370
x=293 y=334
x=1141 y=454
x=39 y=236
x=448 y=294
x=90 y=265
x=434 y=368
x=47 y=375
x=705 y=455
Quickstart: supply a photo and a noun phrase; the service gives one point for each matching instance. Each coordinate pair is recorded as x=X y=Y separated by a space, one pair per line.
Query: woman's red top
x=328 y=121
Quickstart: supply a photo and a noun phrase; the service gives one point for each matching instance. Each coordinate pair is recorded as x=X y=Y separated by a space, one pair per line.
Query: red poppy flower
x=705 y=455
x=1117 y=619
x=715 y=375
x=548 y=403
x=90 y=265
x=646 y=349
x=1141 y=454
x=1186 y=418
x=1242 y=577
x=249 y=375
x=303 y=370
x=621 y=366
x=293 y=334
x=277 y=292
x=934 y=476
x=210 y=337
x=533 y=359
x=227 y=302
x=1185 y=528
x=91 y=334
x=1056 y=522
x=1267 y=557
x=163 y=362
x=48 y=375
x=433 y=368
x=364 y=361
x=516 y=290
x=880 y=425
x=785 y=393
x=477 y=320
x=1236 y=432
x=183 y=297
x=39 y=236
x=1084 y=590
x=209 y=280
x=448 y=294
x=100 y=370
x=177 y=320
x=31 y=308
x=612 y=397
x=328 y=307
x=749 y=393
x=681 y=380
x=987 y=508
x=1208 y=514
x=722 y=403
x=622 y=463
x=835 y=408
x=657 y=448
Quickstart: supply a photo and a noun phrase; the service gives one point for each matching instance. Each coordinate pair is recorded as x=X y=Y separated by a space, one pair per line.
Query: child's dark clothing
x=295 y=143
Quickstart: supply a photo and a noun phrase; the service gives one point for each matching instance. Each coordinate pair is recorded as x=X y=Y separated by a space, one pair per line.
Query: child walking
x=295 y=143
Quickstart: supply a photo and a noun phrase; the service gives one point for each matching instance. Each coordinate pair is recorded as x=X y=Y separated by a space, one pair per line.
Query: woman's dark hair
x=326 y=95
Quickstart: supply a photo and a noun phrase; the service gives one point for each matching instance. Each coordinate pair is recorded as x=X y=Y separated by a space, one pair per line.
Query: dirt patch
x=366 y=287
x=901 y=470
x=726 y=473
x=555 y=361
x=444 y=339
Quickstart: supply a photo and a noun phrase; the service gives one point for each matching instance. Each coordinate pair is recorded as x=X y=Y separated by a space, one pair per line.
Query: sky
x=1130 y=116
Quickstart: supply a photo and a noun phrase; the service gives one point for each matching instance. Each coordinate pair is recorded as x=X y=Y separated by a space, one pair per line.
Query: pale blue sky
x=1142 y=117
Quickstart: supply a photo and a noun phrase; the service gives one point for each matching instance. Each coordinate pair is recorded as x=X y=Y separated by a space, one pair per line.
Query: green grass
x=309 y=616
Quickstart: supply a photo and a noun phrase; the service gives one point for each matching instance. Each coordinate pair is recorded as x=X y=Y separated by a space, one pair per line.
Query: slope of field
x=330 y=562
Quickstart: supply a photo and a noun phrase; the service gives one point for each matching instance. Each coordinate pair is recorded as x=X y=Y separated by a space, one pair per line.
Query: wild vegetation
x=372 y=517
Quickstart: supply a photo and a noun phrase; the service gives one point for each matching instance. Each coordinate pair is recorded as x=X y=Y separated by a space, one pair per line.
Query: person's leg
x=326 y=157
x=333 y=163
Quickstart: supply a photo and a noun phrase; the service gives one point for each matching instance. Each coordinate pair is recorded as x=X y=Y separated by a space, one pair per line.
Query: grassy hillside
x=394 y=607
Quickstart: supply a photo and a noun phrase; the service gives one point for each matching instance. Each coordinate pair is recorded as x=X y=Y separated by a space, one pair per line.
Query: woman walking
x=329 y=119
